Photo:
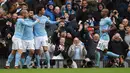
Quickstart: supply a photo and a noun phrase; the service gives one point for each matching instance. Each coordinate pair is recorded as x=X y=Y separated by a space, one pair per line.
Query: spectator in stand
x=84 y=34
x=118 y=46
x=50 y=10
x=51 y=28
x=77 y=5
x=30 y=4
x=91 y=49
x=127 y=39
x=12 y=1
x=97 y=14
x=4 y=4
x=64 y=6
x=77 y=50
x=57 y=12
x=68 y=9
x=122 y=7
x=114 y=15
x=83 y=13
x=125 y=22
x=61 y=49
x=17 y=7
x=72 y=26
x=121 y=31
x=59 y=32
x=115 y=18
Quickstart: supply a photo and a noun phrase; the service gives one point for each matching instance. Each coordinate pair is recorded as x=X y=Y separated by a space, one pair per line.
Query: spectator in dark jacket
x=68 y=9
x=127 y=39
x=121 y=31
x=8 y=30
x=117 y=45
x=77 y=50
x=50 y=10
x=97 y=14
x=61 y=49
x=57 y=12
x=123 y=7
x=2 y=19
x=83 y=13
x=37 y=3
x=91 y=49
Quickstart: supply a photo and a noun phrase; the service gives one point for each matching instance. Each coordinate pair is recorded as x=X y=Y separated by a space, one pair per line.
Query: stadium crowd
x=68 y=30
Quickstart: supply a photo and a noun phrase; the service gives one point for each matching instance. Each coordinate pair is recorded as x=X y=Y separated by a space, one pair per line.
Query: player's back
x=28 y=30
x=19 y=28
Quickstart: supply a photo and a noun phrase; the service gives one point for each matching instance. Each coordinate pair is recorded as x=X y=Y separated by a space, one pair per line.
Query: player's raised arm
x=24 y=14
x=52 y=22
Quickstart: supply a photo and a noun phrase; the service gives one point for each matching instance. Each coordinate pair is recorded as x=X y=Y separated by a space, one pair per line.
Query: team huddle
x=30 y=34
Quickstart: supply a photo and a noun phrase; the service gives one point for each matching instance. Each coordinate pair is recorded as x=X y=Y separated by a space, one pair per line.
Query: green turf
x=93 y=70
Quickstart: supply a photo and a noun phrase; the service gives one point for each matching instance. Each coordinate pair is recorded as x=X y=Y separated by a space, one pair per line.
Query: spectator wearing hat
x=123 y=7
x=125 y=22
x=50 y=10
x=68 y=9
x=64 y=6
x=97 y=14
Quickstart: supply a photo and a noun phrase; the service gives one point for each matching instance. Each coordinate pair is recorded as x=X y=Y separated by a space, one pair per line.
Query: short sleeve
x=109 y=21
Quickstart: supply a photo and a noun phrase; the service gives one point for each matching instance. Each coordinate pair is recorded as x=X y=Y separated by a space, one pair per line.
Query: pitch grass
x=85 y=70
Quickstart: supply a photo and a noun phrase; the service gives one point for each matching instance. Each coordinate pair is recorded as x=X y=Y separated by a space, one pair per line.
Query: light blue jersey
x=39 y=29
x=105 y=24
x=19 y=28
x=28 y=30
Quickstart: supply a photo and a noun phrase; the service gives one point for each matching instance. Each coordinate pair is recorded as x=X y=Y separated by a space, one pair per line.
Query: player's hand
x=20 y=16
x=38 y=20
x=58 y=20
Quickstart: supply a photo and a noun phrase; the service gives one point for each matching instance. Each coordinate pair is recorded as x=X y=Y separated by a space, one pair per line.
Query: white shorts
x=27 y=45
x=17 y=43
x=41 y=41
x=102 y=44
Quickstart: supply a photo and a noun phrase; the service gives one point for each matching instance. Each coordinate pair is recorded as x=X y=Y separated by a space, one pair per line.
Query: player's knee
x=31 y=52
x=13 y=52
x=20 y=51
x=45 y=49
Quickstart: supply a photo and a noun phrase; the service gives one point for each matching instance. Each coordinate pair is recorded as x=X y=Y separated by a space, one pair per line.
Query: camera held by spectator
x=87 y=63
x=70 y=64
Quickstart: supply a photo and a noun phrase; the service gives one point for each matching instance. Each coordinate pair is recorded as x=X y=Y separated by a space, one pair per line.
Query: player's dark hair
x=39 y=9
